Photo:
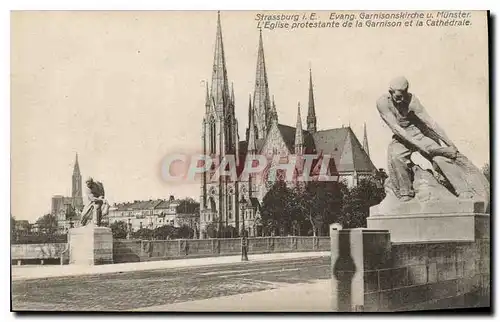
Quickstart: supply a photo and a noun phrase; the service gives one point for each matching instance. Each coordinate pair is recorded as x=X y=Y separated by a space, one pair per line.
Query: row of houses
x=155 y=213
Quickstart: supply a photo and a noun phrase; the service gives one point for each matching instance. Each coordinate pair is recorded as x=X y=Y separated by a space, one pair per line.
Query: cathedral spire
x=261 y=94
x=365 y=141
x=220 y=88
x=252 y=146
x=76 y=168
x=76 y=182
x=311 y=113
x=299 y=139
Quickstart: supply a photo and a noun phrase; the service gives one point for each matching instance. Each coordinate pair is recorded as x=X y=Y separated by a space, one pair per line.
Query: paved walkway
x=303 y=297
x=36 y=272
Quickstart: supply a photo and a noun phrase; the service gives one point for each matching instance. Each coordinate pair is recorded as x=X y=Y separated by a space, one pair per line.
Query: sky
x=125 y=89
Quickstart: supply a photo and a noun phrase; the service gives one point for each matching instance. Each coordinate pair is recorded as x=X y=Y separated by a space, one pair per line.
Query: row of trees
x=309 y=209
x=120 y=231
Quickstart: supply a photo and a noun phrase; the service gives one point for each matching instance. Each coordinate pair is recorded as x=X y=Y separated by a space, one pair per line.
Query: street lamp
x=244 y=242
x=243 y=204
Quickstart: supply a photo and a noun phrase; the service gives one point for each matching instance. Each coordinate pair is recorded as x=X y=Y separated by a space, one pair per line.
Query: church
x=66 y=208
x=229 y=203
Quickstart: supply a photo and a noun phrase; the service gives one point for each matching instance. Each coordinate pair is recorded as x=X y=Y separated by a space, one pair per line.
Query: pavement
x=40 y=271
x=302 y=297
x=272 y=282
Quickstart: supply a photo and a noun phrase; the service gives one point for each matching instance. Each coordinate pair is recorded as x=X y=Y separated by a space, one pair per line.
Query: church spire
x=311 y=113
x=207 y=99
x=365 y=141
x=220 y=88
x=299 y=139
x=273 y=115
x=252 y=146
x=76 y=168
x=76 y=181
x=261 y=94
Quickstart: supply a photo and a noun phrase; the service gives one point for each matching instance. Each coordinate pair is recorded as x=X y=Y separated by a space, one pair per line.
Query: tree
x=188 y=206
x=486 y=171
x=119 y=229
x=357 y=202
x=47 y=224
x=320 y=204
x=143 y=233
x=185 y=232
x=165 y=232
x=278 y=209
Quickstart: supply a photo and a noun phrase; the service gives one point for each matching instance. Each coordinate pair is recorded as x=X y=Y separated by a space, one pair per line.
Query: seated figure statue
x=453 y=176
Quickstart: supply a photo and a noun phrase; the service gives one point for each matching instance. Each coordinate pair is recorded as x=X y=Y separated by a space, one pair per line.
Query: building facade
x=225 y=202
x=152 y=214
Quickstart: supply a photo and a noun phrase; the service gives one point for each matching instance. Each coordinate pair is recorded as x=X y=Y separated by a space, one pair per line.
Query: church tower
x=219 y=139
x=261 y=99
x=311 y=112
x=76 y=185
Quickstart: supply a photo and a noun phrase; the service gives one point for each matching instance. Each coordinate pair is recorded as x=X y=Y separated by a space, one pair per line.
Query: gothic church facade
x=225 y=202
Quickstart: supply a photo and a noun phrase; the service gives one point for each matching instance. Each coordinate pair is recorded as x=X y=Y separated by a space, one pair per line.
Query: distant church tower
x=219 y=138
x=76 y=185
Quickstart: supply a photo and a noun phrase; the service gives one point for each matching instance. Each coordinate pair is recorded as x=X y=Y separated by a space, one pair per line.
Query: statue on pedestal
x=453 y=176
x=98 y=206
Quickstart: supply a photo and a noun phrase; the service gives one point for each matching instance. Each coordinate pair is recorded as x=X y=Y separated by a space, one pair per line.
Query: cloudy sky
x=125 y=89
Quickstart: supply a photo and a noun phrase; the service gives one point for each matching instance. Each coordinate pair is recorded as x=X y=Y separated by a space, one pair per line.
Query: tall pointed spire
x=220 y=88
x=207 y=99
x=365 y=141
x=299 y=139
x=311 y=113
x=252 y=144
x=76 y=183
x=273 y=115
x=76 y=168
x=261 y=101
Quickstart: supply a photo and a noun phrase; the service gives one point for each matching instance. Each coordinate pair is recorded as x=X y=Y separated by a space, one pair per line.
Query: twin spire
x=219 y=93
x=262 y=113
x=311 y=112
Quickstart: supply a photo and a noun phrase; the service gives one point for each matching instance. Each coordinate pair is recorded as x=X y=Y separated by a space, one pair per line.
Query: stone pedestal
x=90 y=245
x=414 y=221
x=433 y=227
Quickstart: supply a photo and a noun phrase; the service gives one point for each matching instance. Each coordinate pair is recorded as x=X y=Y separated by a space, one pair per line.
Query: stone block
x=432 y=227
x=417 y=274
x=90 y=245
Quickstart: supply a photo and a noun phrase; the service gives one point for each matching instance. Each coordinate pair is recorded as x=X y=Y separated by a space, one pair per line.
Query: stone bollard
x=354 y=251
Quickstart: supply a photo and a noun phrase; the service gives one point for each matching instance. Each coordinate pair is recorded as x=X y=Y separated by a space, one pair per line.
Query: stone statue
x=98 y=207
x=453 y=176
